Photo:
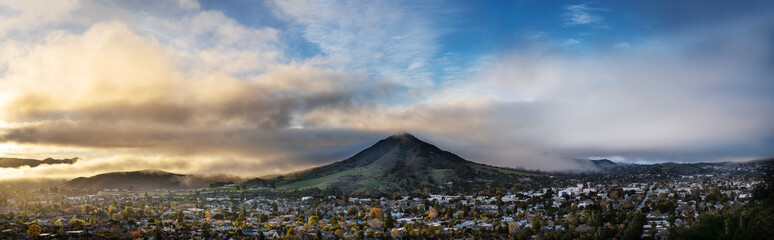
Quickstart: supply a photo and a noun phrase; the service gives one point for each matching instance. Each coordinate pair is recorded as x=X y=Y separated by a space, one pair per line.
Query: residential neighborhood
x=586 y=206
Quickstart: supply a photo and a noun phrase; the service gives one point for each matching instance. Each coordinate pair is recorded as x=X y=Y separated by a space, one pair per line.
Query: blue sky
x=265 y=87
x=470 y=30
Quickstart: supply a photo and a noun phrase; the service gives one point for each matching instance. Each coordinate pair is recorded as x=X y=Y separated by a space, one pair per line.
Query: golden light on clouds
x=125 y=102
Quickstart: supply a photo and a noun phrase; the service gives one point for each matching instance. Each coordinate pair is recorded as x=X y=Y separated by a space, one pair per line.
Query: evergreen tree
x=389 y=222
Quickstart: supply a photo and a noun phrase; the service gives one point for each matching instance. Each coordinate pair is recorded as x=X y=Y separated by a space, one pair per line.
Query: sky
x=254 y=88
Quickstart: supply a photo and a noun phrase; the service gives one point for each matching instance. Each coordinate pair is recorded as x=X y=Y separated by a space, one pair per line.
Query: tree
x=75 y=223
x=537 y=224
x=314 y=220
x=376 y=223
x=263 y=218
x=205 y=226
x=34 y=230
x=157 y=232
x=359 y=234
x=389 y=222
x=635 y=227
x=111 y=209
x=432 y=213
x=513 y=227
x=180 y=216
x=352 y=210
x=376 y=213
x=395 y=233
x=239 y=222
x=85 y=209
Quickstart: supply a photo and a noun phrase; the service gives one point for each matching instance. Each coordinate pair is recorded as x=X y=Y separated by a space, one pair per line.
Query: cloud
x=571 y=42
x=162 y=96
x=581 y=14
x=390 y=40
x=658 y=102
x=124 y=78
x=19 y=15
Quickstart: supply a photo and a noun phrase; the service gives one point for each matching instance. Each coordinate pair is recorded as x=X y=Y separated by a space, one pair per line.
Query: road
x=650 y=191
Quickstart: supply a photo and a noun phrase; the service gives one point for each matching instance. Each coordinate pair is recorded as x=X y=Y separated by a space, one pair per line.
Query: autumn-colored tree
x=376 y=213
x=34 y=230
x=359 y=234
x=85 y=209
x=375 y=223
x=395 y=233
x=136 y=234
x=513 y=227
x=76 y=223
x=111 y=209
x=432 y=213
x=239 y=222
x=314 y=220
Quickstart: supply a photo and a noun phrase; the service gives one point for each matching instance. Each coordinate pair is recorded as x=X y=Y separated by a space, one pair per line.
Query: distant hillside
x=605 y=165
x=399 y=162
x=20 y=162
x=683 y=168
x=144 y=180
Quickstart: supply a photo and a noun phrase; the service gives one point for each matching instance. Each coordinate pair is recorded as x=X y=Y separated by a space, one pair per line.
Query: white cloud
x=388 y=39
x=22 y=15
x=581 y=14
x=571 y=42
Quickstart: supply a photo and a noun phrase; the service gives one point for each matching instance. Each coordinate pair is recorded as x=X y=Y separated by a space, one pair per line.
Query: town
x=631 y=204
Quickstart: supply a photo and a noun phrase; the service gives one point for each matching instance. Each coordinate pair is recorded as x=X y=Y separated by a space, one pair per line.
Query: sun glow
x=7 y=148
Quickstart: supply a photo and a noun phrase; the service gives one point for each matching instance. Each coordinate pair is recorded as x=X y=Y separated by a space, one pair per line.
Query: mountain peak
x=400 y=161
x=403 y=136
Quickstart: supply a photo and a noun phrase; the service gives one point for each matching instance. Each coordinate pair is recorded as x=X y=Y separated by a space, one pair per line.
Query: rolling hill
x=144 y=180
x=605 y=165
x=399 y=162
